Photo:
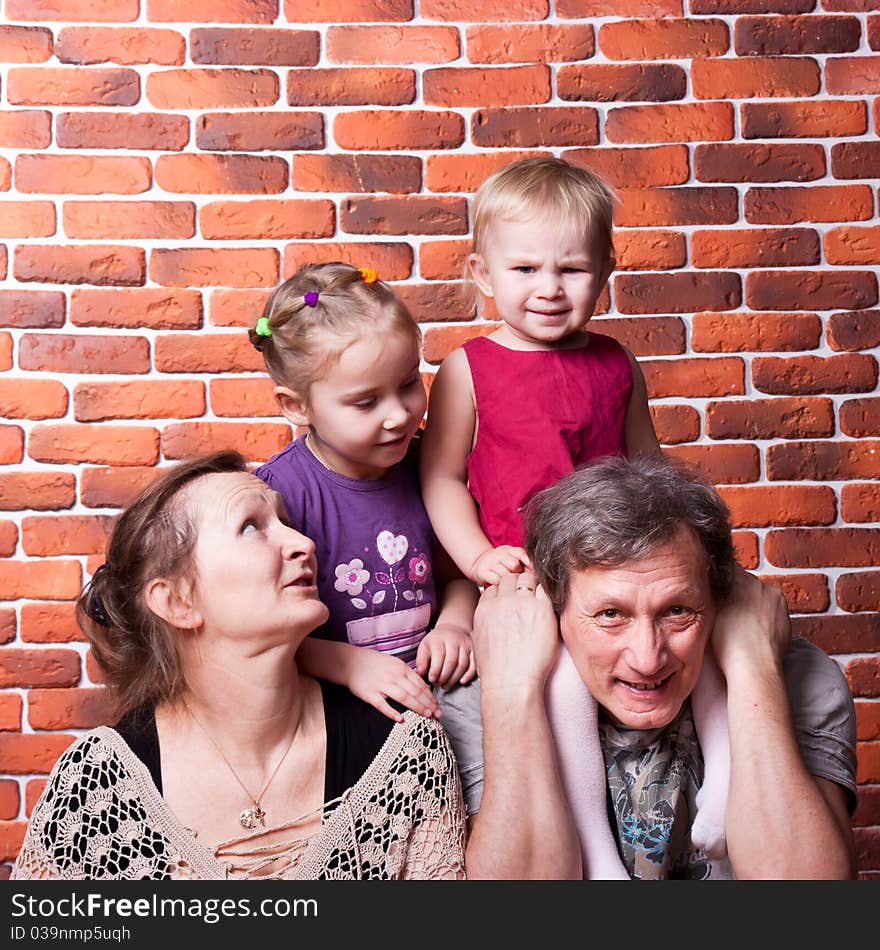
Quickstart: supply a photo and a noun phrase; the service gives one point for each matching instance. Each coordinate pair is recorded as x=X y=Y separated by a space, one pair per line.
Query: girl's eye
x=365 y=404
x=410 y=383
x=524 y=269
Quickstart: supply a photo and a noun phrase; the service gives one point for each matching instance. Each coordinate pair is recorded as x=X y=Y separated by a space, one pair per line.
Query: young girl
x=344 y=354
x=514 y=412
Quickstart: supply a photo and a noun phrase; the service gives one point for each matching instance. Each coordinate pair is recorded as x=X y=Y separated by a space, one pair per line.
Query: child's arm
x=449 y=436
x=639 y=427
x=372 y=676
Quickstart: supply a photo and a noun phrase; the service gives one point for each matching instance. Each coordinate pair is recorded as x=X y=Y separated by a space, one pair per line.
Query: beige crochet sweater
x=102 y=818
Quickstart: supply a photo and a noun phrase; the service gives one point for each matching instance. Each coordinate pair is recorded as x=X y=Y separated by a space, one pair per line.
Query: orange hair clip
x=368 y=274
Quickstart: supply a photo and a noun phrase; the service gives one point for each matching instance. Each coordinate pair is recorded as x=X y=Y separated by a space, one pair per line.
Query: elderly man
x=635 y=557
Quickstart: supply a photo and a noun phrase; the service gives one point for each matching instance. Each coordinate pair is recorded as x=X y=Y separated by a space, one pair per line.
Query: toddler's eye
x=524 y=269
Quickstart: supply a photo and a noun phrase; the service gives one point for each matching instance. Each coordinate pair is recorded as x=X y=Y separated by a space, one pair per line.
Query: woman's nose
x=296 y=545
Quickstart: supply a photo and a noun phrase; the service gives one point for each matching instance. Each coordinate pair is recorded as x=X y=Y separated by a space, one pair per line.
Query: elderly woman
x=635 y=557
x=227 y=762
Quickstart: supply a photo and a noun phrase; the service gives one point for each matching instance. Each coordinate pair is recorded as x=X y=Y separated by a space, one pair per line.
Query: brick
x=27 y=219
x=25 y=44
x=439 y=342
x=745 y=549
x=435 y=302
x=72 y=86
x=256 y=441
x=688 y=122
x=391 y=261
x=486 y=87
x=7 y=624
x=123 y=46
x=483 y=10
x=32 y=399
x=259 y=131
x=11 y=839
x=675 y=424
x=411 y=215
x=211 y=174
x=860 y=417
x=259 y=220
x=860 y=503
x=757 y=332
x=242 y=47
x=649 y=250
x=530 y=43
x=113 y=487
x=863 y=676
x=824 y=461
x=244 y=397
x=80 y=175
x=808 y=375
x=644 y=336
x=751 y=6
x=804 y=593
x=50 y=623
x=784 y=36
x=755 y=77
x=99 y=264
x=859 y=590
x=25 y=128
x=8 y=543
x=854 y=331
x=848 y=76
x=58 y=709
x=33 y=790
x=9 y=799
x=718 y=376
x=350 y=86
x=213 y=11
x=100 y=445
x=765 y=247
x=38 y=309
x=817 y=119
x=443 y=260
x=759 y=163
x=227 y=267
x=391 y=129
x=212 y=88
x=668 y=38
x=100 y=11
x=157 y=308
x=665 y=206
x=143 y=131
x=532 y=127
x=150 y=399
x=782 y=290
x=812 y=203
x=461 y=172
x=31 y=754
x=855 y=159
x=36 y=491
x=39 y=580
x=678 y=293
x=722 y=464
x=10 y=712
x=398 y=174
x=783 y=418
x=67 y=353
x=868 y=809
x=11 y=444
x=867 y=721
x=329 y=11
x=5 y=351
x=618 y=8
x=621 y=83
x=198 y=353
x=129 y=219
x=874 y=32
x=635 y=167
x=5 y=185
x=764 y=506
x=852 y=245
x=49 y=535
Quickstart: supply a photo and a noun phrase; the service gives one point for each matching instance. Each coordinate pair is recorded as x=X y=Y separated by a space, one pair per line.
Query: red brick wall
x=159 y=175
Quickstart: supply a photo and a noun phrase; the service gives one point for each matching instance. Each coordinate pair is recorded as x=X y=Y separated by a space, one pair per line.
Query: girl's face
x=367 y=406
x=545 y=279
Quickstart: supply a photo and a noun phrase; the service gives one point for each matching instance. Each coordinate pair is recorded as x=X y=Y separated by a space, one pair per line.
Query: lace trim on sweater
x=101 y=817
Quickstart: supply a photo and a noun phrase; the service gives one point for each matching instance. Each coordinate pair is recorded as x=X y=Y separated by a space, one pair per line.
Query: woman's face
x=637 y=632
x=255 y=577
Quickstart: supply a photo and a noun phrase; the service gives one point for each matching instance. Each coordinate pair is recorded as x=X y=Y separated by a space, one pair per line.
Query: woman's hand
x=495 y=563
x=376 y=677
x=446 y=654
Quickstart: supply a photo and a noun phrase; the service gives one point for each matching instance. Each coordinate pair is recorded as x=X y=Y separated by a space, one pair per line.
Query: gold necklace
x=310 y=444
x=249 y=817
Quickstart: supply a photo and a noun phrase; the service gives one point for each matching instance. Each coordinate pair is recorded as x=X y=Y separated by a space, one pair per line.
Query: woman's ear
x=293 y=405
x=172 y=604
x=480 y=273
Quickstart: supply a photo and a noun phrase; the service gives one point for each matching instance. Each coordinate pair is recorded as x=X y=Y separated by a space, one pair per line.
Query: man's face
x=637 y=631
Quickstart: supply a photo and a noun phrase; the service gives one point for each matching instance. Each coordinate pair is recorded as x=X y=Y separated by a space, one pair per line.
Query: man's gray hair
x=616 y=510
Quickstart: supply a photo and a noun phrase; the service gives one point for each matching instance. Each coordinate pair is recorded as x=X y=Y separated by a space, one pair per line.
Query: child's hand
x=377 y=677
x=493 y=564
x=447 y=655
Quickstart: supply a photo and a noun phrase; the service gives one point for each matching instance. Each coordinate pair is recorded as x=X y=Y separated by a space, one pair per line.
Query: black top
x=355 y=734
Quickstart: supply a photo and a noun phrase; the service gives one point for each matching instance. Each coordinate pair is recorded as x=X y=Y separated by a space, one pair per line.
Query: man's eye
x=609 y=613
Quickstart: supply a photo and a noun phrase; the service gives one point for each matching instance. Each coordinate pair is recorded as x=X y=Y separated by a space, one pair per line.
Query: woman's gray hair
x=617 y=510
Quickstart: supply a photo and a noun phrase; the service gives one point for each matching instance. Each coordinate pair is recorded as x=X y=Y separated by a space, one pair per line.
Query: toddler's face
x=545 y=279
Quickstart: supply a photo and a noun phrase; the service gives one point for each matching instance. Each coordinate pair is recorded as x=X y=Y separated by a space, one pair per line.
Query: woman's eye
x=248 y=526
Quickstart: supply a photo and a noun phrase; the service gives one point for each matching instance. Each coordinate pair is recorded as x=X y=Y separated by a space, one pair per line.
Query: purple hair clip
x=311 y=298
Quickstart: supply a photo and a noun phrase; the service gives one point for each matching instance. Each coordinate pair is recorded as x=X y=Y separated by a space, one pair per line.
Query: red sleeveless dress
x=541 y=414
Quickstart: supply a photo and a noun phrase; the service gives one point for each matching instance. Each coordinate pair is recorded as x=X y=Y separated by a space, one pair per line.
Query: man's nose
x=646 y=648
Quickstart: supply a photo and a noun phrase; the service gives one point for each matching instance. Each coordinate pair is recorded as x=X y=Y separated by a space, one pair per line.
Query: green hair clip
x=262 y=328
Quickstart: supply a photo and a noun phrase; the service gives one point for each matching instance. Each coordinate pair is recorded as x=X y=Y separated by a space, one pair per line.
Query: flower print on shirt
x=351 y=577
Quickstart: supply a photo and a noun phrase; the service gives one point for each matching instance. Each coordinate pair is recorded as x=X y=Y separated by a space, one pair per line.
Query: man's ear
x=168 y=600
x=292 y=405
x=480 y=273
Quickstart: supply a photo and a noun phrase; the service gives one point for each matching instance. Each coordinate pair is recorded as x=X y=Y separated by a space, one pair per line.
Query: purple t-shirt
x=374 y=544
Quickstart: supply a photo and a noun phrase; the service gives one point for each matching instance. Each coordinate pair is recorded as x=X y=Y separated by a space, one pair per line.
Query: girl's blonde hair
x=311 y=318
